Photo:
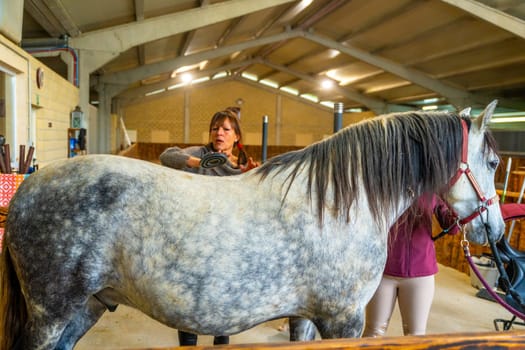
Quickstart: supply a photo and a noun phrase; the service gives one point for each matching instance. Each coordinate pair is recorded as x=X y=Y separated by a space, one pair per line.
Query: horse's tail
x=13 y=311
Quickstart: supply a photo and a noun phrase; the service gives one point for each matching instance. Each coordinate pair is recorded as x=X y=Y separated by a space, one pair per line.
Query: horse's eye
x=493 y=164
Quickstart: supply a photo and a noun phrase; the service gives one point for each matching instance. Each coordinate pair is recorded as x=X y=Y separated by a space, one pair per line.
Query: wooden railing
x=491 y=340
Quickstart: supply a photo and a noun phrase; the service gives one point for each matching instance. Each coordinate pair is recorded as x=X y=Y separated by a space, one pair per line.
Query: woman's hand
x=193 y=162
x=249 y=165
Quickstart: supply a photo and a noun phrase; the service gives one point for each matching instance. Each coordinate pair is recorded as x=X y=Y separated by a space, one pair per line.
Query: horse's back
x=71 y=207
x=79 y=185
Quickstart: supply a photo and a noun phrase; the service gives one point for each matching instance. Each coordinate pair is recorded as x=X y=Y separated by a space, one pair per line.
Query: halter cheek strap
x=464 y=169
x=483 y=207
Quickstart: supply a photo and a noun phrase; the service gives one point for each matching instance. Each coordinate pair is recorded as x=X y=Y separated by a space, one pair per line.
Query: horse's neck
x=278 y=183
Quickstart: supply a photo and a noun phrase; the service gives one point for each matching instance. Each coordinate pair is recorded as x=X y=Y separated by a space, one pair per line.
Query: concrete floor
x=455 y=309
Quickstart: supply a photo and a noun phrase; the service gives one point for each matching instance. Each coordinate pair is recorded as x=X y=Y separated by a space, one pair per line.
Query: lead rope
x=487 y=287
x=504 y=277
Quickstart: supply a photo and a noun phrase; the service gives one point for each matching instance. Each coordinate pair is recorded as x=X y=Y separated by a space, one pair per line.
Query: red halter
x=465 y=169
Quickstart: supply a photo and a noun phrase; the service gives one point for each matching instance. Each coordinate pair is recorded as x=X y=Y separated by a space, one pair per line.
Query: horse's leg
x=81 y=323
x=301 y=329
x=53 y=328
x=343 y=325
x=57 y=321
x=41 y=333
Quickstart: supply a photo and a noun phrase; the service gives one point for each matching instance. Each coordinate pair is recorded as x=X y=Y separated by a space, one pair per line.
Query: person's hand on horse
x=249 y=165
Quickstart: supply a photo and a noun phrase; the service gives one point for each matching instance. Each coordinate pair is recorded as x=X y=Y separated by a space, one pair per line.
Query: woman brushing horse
x=89 y=233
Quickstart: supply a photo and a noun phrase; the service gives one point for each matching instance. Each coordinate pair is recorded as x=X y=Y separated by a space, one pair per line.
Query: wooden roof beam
x=123 y=37
x=498 y=18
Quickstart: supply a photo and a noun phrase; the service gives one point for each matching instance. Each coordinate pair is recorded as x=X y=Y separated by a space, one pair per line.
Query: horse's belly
x=220 y=307
x=223 y=285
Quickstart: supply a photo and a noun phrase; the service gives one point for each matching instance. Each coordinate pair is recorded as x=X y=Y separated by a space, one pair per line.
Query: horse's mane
x=392 y=155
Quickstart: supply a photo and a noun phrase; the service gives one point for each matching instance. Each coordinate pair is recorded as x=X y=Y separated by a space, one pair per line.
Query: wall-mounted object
x=76 y=117
x=40 y=78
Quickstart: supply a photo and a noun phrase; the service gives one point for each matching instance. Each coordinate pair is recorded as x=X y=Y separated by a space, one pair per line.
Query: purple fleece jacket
x=411 y=251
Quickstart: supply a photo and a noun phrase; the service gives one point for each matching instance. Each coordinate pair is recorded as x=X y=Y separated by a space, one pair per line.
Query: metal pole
x=264 y=138
x=338 y=116
x=506 y=183
x=513 y=223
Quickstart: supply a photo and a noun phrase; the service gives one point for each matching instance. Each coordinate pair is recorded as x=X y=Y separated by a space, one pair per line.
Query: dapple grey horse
x=303 y=235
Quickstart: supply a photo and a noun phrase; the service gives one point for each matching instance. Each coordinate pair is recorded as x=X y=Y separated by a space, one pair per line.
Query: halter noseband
x=465 y=169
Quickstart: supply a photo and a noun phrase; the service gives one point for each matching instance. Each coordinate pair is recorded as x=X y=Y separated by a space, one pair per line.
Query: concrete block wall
x=291 y=122
x=42 y=112
x=52 y=105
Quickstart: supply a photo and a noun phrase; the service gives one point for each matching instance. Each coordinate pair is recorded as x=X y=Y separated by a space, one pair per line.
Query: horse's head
x=472 y=192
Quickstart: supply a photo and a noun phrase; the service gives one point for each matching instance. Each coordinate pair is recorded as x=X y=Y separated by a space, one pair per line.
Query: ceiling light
x=154 y=92
x=507 y=120
x=188 y=68
x=295 y=10
x=332 y=73
x=334 y=53
x=249 y=76
x=327 y=84
x=200 y=80
x=186 y=77
x=220 y=75
x=328 y=104
x=203 y=64
x=290 y=90
x=269 y=83
x=310 y=97
x=176 y=86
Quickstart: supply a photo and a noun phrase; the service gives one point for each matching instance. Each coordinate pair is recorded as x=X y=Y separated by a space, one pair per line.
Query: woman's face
x=223 y=136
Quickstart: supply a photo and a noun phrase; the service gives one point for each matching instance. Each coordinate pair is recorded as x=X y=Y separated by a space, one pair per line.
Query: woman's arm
x=445 y=216
x=180 y=158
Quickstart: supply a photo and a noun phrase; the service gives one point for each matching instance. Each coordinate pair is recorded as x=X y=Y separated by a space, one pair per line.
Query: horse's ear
x=483 y=119
x=465 y=112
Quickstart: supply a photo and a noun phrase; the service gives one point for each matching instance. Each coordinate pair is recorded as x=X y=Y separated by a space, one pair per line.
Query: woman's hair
x=232 y=116
x=235 y=110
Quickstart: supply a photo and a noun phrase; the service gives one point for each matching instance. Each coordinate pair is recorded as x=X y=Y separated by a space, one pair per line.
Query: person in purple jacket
x=410 y=268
